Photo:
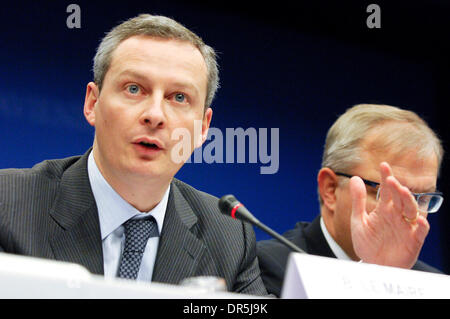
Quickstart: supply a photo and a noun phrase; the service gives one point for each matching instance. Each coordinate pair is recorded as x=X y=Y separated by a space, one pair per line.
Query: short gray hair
x=343 y=142
x=160 y=27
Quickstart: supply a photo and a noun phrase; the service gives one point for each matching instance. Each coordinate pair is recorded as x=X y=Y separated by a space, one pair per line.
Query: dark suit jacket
x=49 y=211
x=273 y=255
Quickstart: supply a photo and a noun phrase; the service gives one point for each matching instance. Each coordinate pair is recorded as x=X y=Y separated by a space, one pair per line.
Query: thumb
x=358 y=195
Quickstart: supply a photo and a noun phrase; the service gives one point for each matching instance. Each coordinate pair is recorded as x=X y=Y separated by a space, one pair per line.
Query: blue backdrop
x=295 y=68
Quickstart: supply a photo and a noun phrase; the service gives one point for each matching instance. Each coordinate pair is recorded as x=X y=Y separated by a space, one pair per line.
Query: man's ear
x=206 y=121
x=90 y=100
x=327 y=182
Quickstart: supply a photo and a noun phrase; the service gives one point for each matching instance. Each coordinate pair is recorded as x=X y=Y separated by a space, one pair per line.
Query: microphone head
x=226 y=204
x=230 y=206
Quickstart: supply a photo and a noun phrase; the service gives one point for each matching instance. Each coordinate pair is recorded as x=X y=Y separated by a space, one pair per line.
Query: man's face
x=153 y=87
x=419 y=175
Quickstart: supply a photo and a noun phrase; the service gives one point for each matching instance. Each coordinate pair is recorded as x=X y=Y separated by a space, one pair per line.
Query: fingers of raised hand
x=403 y=202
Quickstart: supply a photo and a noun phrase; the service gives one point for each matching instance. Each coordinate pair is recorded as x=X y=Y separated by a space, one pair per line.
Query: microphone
x=230 y=206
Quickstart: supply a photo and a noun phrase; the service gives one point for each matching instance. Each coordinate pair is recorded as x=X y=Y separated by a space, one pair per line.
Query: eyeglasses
x=427 y=202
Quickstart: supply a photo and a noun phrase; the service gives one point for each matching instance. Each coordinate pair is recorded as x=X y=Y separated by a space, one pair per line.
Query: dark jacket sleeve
x=422 y=266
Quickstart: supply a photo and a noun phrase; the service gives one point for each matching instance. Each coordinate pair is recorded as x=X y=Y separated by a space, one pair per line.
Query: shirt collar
x=335 y=248
x=113 y=210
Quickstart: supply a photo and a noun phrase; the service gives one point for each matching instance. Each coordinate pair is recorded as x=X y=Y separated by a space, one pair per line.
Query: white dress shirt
x=113 y=211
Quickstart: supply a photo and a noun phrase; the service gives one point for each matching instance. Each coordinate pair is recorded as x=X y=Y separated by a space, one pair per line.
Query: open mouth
x=149 y=145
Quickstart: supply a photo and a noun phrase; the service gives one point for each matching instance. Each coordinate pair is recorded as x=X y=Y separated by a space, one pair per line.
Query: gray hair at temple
x=344 y=139
x=160 y=27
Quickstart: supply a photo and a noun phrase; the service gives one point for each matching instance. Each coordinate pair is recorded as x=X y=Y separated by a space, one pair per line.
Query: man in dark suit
x=376 y=186
x=154 y=81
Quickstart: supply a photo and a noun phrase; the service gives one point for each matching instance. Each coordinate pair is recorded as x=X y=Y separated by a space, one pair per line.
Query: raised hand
x=393 y=233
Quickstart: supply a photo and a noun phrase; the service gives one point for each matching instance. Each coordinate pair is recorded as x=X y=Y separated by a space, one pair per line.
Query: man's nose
x=153 y=111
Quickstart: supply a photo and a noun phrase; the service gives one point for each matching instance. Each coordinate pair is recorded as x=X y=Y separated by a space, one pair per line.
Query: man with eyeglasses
x=376 y=187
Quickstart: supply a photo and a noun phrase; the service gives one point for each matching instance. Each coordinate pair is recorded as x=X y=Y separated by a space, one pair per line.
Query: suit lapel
x=317 y=244
x=179 y=251
x=76 y=236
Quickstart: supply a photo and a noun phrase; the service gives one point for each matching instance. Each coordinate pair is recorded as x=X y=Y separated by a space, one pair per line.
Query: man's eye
x=180 y=97
x=133 y=89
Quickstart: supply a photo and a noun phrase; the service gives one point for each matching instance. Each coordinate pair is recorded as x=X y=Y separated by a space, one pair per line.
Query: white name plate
x=34 y=278
x=315 y=277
